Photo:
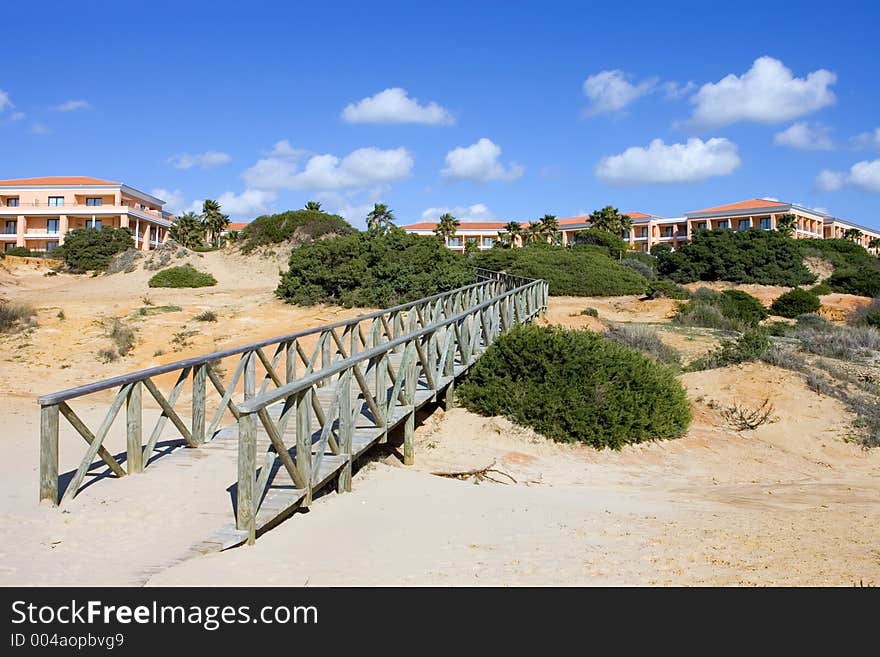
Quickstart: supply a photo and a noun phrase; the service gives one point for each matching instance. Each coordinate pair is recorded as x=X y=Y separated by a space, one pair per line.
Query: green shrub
x=372 y=270
x=750 y=256
x=668 y=290
x=185 y=276
x=778 y=329
x=19 y=251
x=301 y=226
x=850 y=280
x=821 y=288
x=844 y=342
x=795 y=302
x=576 y=386
x=727 y=310
x=639 y=267
x=90 y=249
x=614 y=245
x=580 y=271
x=206 y=316
x=855 y=270
x=751 y=345
x=592 y=312
x=644 y=339
x=813 y=321
x=870 y=314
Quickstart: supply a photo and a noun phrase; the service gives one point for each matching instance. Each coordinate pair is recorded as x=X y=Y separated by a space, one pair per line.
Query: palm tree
x=215 y=221
x=610 y=220
x=313 y=206
x=507 y=236
x=380 y=219
x=853 y=234
x=786 y=224
x=874 y=244
x=188 y=230
x=546 y=228
x=447 y=226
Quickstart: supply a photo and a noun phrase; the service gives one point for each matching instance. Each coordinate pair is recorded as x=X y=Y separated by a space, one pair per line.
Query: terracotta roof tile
x=743 y=205
x=56 y=180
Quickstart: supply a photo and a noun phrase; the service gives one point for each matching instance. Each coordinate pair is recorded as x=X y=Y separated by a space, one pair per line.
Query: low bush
x=581 y=271
x=576 y=386
x=795 y=302
x=19 y=251
x=15 y=316
x=751 y=345
x=185 y=276
x=778 y=329
x=122 y=336
x=614 y=245
x=850 y=280
x=843 y=342
x=90 y=249
x=592 y=312
x=869 y=315
x=855 y=270
x=298 y=226
x=373 y=270
x=821 y=288
x=644 y=339
x=727 y=310
x=639 y=267
x=750 y=256
x=668 y=290
x=206 y=316
x=813 y=321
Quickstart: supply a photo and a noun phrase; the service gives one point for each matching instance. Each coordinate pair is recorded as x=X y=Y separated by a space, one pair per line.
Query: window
x=454 y=241
x=701 y=225
x=94 y=223
x=51 y=245
x=488 y=241
x=765 y=223
x=12 y=202
x=724 y=223
x=667 y=231
x=56 y=201
x=51 y=225
x=9 y=245
x=11 y=227
x=95 y=201
x=743 y=224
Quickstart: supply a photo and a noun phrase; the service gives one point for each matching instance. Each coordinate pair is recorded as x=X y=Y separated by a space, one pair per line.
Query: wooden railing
x=357 y=379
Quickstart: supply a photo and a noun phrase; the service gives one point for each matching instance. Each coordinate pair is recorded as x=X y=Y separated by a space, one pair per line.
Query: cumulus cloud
x=204 y=160
x=175 y=201
x=395 y=106
x=5 y=101
x=17 y=116
x=869 y=139
x=249 y=203
x=674 y=163
x=805 y=136
x=40 y=129
x=611 y=91
x=478 y=211
x=479 y=162
x=72 y=106
x=864 y=175
x=766 y=93
x=363 y=167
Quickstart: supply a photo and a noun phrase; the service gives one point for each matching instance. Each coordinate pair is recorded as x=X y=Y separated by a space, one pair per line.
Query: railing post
x=250 y=376
x=134 y=447
x=304 y=441
x=346 y=429
x=200 y=375
x=409 y=387
x=381 y=387
x=290 y=362
x=49 y=454
x=247 y=474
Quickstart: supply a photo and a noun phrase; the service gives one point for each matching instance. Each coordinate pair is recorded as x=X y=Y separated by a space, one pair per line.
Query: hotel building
x=36 y=213
x=649 y=230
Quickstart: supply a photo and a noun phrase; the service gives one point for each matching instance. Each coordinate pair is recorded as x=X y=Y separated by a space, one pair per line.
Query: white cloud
x=805 y=136
x=353 y=206
x=865 y=175
x=250 y=203
x=395 y=106
x=363 y=167
x=204 y=160
x=479 y=162
x=4 y=101
x=175 y=201
x=72 y=106
x=40 y=129
x=868 y=139
x=611 y=91
x=766 y=93
x=284 y=149
x=476 y=212
x=675 y=163
x=674 y=90
x=17 y=116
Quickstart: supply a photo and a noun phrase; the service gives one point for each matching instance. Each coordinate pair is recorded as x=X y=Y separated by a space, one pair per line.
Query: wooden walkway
x=322 y=399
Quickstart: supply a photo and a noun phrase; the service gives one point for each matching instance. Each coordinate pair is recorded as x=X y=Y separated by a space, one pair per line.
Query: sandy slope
x=790 y=503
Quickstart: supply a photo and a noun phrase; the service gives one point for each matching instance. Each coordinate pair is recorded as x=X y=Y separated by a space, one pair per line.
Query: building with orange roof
x=36 y=213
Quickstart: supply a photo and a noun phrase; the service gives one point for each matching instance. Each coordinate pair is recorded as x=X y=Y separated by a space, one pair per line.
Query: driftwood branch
x=480 y=474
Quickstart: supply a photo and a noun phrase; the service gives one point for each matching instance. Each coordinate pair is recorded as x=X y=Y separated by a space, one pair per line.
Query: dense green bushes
x=186 y=276
x=90 y=249
x=795 y=302
x=576 y=386
x=582 y=271
x=751 y=256
x=869 y=314
x=296 y=225
x=855 y=280
x=668 y=290
x=18 y=251
x=372 y=270
x=613 y=244
x=855 y=270
x=728 y=310
x=751 y=345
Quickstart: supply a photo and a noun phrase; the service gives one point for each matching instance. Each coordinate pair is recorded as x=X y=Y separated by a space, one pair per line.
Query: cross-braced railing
x=208 y=392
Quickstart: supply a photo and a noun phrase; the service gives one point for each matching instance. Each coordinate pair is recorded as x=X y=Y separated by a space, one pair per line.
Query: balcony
x=41 y=208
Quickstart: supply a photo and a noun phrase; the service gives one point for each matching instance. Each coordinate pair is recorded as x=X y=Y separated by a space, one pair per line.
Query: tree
x=188 y=229
x=380 y=219
x=512 y=230
x=546 y=228
x=471 y=248
x=786 y=224
x=215 y=221
x=314 y=206
x=91 y=249
x=447 y=226
x=853 y=234
x=874 y=244
x=610 y=220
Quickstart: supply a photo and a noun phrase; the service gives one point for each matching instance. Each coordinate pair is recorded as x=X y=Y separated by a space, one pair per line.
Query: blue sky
x=495 y=110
